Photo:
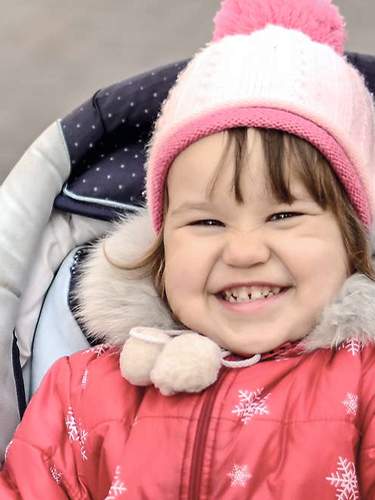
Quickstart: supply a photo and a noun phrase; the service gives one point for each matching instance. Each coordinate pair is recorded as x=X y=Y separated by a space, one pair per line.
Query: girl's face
x=249 y=276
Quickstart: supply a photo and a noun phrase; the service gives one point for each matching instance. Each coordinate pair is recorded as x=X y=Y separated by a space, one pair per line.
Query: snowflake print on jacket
x=353 y=345
x=345 y=480
x=351 y=403
x=76 y=432
x=56 y=474
x=84 y=378
x=239 y=475
x=251 y=403
x=117 y=487
x=99 y=350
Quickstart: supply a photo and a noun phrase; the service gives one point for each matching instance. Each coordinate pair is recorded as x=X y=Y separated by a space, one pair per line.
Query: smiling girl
x=250 y=262
x=238 y=308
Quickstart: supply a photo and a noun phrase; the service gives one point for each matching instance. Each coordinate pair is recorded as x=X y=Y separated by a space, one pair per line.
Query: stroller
x=80 y=174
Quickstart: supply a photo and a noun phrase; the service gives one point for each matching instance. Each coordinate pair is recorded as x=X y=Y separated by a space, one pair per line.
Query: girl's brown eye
x=280 y=216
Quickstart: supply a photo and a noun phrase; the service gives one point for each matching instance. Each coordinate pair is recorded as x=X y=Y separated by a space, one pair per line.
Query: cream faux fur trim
x=352 y=314
x=113 y=301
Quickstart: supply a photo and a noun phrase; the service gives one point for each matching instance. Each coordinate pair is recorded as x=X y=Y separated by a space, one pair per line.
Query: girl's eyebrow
x=189 y=205
x=207 y=205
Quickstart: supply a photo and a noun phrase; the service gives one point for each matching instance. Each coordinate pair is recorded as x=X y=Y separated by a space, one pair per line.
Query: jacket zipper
x=201 y=438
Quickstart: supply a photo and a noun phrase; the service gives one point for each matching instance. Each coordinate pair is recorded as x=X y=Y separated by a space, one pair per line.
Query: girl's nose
x=244 y=249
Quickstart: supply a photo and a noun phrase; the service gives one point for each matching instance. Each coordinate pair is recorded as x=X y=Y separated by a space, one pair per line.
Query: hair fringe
x=282 y=153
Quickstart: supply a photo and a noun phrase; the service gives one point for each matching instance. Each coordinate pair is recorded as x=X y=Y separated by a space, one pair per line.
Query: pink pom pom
x=318 y=19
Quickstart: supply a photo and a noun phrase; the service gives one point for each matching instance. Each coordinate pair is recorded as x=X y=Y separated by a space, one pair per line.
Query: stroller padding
x=57 y=333
x=106 y=137
x=26 y=201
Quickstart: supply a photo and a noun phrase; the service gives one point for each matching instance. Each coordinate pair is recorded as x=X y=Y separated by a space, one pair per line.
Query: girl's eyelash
x=206 y=222
x=279 y=216
x=283 y=215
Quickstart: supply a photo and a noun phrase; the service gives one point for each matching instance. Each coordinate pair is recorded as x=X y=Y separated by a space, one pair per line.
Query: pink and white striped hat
x=275 y=64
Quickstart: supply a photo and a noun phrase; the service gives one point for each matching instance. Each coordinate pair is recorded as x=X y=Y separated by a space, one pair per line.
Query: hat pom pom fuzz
x=319 y=19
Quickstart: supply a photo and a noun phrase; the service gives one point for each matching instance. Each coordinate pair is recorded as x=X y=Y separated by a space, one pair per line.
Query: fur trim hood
x=112 y=301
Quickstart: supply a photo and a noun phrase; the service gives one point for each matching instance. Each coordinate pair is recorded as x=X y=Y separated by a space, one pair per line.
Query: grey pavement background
x=54 y=54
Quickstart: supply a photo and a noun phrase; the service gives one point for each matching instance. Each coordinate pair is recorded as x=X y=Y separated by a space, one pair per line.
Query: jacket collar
x=111 y=301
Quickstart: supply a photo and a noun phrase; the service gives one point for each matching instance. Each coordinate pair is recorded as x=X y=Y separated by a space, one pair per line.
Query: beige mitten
x=173 y=360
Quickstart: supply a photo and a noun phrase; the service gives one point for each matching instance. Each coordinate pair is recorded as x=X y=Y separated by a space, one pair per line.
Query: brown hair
x=284 y=154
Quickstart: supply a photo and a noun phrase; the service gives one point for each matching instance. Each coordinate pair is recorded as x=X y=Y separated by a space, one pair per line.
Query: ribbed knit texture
x=242 y=80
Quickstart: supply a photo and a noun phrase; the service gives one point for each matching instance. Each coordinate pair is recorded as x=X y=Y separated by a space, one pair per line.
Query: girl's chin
x=244 y=348
x=247 y=353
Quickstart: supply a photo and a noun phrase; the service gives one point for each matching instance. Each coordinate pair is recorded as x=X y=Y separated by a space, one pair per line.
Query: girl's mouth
x=251 y=299
x=241 y=294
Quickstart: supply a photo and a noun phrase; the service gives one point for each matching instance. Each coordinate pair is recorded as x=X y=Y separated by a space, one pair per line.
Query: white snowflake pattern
x=56 y=474
x=71 y=425
x=117 y=487
x=345 y=480
x=82 y=440
x=76 y=432
x=99 y=350
x=351 y=403
x=239 y=475
x=84 y=378
x=352 y=345
x=251 y=403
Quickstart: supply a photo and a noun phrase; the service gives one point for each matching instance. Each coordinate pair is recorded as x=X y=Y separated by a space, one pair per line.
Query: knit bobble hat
x=275 y=64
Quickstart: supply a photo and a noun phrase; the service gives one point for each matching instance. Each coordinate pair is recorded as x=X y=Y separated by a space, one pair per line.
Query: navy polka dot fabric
x=107 y=135
x=366 y=65
x=106 y=139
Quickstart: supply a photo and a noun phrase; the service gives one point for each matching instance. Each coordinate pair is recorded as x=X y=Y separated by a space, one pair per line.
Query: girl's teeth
x=243 y=294
x=257 y=294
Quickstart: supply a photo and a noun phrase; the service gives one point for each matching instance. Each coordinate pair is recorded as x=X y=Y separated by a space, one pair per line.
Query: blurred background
x=55 y=54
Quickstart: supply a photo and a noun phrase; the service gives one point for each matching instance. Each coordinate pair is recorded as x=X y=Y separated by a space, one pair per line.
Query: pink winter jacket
x=294 y=426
